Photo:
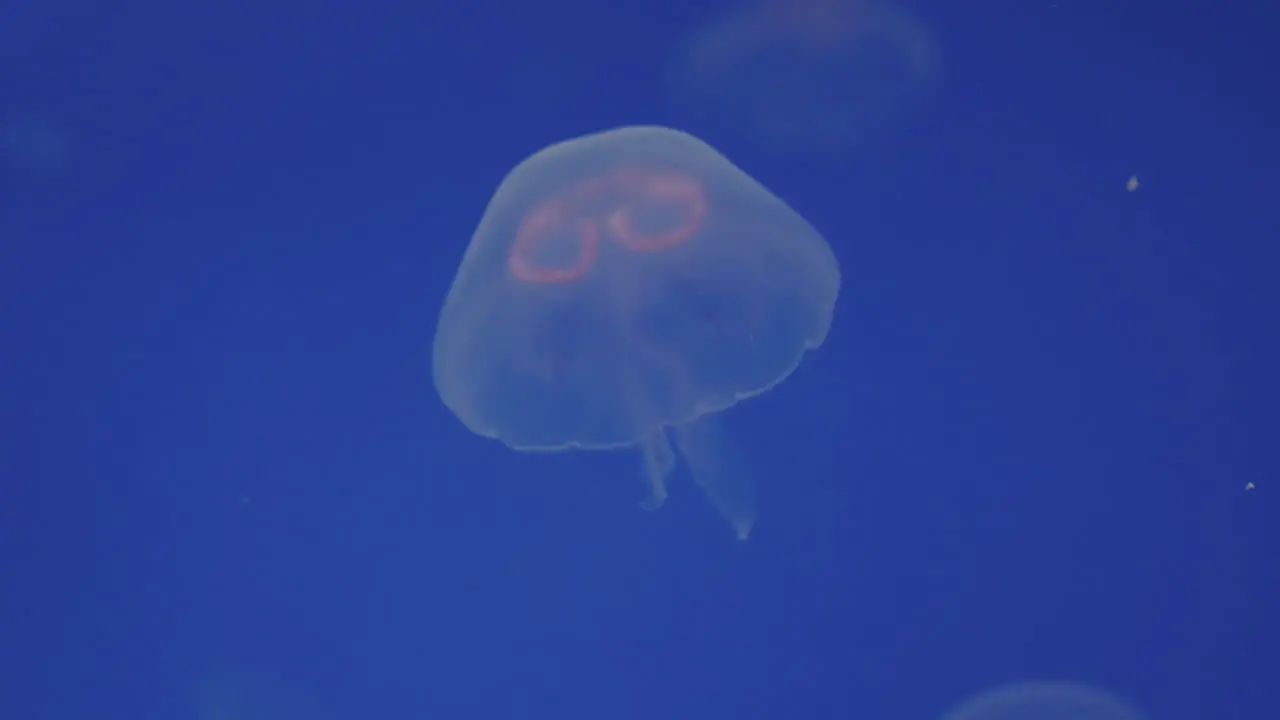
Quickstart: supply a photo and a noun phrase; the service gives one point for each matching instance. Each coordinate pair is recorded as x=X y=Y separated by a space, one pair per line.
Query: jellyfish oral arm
x=659 y=461
x=720 y=471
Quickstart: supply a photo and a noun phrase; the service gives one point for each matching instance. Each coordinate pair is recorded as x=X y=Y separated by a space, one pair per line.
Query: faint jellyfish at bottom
x=1044 y=701
x=252 y=693
x=621 y=289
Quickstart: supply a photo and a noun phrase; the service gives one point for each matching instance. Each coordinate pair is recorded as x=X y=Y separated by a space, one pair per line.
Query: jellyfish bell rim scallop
x=700 y=411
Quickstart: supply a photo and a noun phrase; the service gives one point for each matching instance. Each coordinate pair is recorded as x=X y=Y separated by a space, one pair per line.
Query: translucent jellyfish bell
x=628 y=283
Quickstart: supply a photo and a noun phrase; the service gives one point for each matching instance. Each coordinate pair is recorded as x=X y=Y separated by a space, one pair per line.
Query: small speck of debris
x=1249 y=486
x=1132 y=184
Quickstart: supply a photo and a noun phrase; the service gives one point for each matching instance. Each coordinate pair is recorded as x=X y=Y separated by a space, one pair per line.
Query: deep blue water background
x=228 y=489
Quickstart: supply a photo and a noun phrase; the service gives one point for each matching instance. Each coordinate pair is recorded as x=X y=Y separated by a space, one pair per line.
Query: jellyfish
x=1043 y=700
x=806 y=77
x=621 y=289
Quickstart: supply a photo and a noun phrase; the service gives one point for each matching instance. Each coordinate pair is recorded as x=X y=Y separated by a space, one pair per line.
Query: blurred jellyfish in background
x=242 y=693
x=1044 y=701
x=31 y=27
x=32 y=145
x=34 y=35
x=228 y=696
x=808 y=77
